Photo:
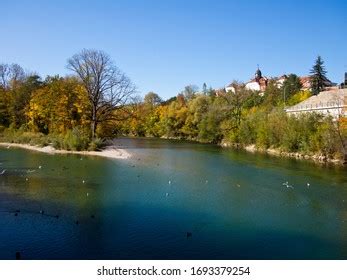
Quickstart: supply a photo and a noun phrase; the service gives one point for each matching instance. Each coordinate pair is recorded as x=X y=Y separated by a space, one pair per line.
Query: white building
x=259 y=83
x=230 y=88
x=331 y=102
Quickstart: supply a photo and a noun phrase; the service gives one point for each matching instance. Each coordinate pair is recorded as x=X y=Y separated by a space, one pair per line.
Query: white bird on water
x=87 y=194
x=3 y=172
x=287 y=185
x=308 y=184
x=83 y=181
x=40 y=167
x=169 y=182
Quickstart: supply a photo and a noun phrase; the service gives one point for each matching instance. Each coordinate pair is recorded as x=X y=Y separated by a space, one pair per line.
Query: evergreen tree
x=318 y=76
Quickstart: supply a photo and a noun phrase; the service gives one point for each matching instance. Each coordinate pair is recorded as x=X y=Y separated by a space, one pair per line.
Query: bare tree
x=152 y=99
x=108 y=88
x=10 y=74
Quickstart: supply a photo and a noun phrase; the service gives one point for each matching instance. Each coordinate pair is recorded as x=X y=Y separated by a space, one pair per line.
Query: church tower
x=257 y=75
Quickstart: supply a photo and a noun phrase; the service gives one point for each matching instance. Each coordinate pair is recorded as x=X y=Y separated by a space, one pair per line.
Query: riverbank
x=277 y=152
x=113 y=151
x=318 y=158
x=110 y=151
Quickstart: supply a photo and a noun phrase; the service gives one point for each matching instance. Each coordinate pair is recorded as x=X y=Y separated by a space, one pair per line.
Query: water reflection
x=234 y=204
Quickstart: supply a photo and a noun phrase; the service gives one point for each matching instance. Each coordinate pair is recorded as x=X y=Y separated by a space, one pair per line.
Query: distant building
x=307 y=83
x=259 y=83
x=221 y=92
x=280 y=80
x=330 y=102
x=230 y=88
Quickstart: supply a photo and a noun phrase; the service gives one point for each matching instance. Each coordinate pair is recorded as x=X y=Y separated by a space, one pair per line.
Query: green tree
x=291 y=86
x=318 y=76
x=272 y=95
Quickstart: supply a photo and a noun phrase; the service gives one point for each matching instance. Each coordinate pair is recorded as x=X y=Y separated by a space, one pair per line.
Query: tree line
x=241 y=118
x=69 y=109
x=99 y=101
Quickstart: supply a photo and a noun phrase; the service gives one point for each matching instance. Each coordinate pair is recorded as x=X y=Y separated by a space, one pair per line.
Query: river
x=170 y=200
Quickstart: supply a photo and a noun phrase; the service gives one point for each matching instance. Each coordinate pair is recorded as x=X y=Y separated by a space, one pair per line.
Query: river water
x=171 y=200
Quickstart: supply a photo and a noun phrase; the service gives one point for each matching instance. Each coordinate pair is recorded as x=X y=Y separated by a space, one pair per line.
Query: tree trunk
x=93 y=126
x=94 y=122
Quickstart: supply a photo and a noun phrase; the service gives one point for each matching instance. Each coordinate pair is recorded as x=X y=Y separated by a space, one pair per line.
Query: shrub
x=22 y=136
x=75 y=140
x=96 y=144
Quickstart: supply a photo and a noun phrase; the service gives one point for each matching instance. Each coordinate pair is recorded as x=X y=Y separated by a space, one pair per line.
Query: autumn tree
x=19 y=98
x=61 y=104
x=107 y=87
x=4 y=114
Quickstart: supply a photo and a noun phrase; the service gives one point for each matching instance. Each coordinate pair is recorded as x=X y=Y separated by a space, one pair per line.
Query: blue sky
x=164 y=45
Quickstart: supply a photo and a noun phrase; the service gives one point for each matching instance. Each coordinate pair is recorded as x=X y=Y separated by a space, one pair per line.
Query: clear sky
x=164 y=45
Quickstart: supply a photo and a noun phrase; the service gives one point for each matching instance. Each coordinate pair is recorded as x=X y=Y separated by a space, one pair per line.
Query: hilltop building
x=259 y=83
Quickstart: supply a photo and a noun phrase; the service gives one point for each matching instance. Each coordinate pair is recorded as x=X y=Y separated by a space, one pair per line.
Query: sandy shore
x=108 y=152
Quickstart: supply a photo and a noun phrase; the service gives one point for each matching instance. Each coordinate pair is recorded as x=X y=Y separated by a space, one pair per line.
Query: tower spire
x=257 y=73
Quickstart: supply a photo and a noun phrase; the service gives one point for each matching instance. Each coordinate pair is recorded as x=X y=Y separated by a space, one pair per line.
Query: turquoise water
x=234 y=204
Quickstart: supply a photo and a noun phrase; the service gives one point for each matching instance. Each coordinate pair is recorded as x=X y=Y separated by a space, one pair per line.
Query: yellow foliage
x=299 y=97
x=60 y=105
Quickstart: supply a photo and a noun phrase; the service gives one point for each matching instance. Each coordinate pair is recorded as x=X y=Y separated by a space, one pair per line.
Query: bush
x=96 y=144
x=22 y=136
x=306 y=133
x=75 y=140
